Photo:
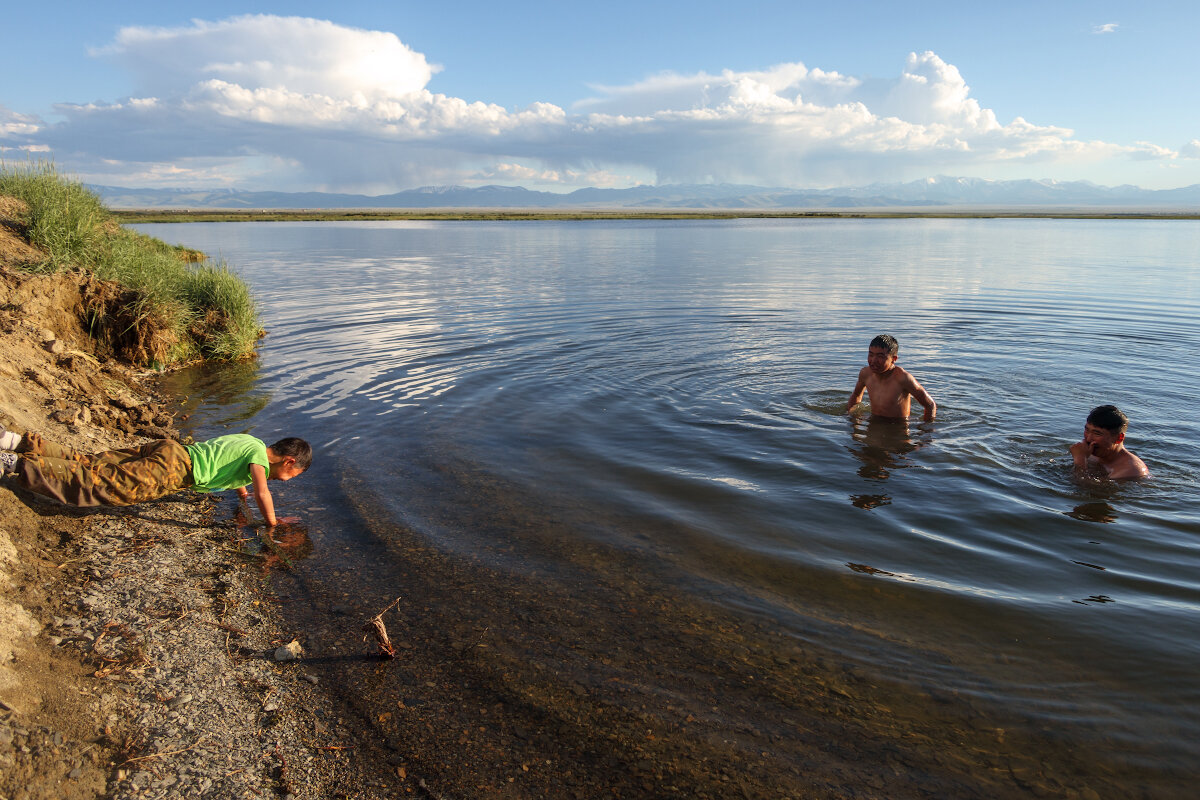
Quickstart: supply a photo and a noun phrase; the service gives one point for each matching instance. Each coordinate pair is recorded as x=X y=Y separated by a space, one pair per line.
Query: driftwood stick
x=376 y=628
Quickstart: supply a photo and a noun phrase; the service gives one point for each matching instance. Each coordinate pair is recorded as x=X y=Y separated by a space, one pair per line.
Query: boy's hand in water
x=281 y=526
x=1080 y=452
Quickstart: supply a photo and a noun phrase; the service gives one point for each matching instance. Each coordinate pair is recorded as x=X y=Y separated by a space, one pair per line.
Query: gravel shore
x=192 y=689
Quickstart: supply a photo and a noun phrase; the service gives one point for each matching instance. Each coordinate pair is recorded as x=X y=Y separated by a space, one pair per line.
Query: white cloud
x=932 y=92
x=291 y=103
x=303 y=56
x=13 y=124
x=1108 y=27
x=18 y=134
x=778 y=86
x=1148 y=151
x=513 y=173
x=1191 y=149
x=794 y=126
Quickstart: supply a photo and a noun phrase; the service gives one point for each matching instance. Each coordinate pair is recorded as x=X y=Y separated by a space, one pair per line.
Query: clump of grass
x=65 y=219
x=169 y=309
x=229 y=325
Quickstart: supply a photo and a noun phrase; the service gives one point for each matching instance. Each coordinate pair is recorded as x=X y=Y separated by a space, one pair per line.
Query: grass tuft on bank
x=168 y=308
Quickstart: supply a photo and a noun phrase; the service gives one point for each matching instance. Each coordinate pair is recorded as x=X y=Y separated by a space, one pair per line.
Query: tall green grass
x=229 y=326
x=206 y=310
x=65 y=219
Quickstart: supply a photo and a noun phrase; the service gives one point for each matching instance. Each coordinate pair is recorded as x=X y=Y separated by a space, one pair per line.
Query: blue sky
x=382 y=96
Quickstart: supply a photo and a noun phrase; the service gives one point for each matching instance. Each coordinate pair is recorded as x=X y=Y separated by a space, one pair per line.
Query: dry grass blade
x=163 y=755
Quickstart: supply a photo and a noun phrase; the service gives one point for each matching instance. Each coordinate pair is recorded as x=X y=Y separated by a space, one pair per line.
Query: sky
x=378 y=97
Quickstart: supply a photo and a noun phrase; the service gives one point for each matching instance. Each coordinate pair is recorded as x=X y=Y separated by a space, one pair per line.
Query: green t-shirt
x=224 y=462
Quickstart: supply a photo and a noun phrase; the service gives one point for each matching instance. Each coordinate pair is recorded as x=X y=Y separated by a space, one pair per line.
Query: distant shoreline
x=343 y=215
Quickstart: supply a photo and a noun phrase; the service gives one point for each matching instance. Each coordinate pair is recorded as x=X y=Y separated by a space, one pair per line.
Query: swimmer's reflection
x=284 y=544
x=1093 y=512
x=279 y=546
x=882 y=445
x=869 y=501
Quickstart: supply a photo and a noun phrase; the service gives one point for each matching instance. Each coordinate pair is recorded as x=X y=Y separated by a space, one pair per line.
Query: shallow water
x=607 y=467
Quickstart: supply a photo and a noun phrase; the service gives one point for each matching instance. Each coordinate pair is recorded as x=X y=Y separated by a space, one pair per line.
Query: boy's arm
x=262 y=495
x=857 y=395
x=918 y=391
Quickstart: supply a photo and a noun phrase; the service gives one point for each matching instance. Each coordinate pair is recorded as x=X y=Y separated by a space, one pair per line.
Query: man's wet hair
x=885 y=342
x=293 y=447
x=1110 y=418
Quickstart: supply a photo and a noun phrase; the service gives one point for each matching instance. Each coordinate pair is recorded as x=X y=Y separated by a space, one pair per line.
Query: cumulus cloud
x=806 y=127
x=1191 y=149
x=1108 y=27
x=301 y=56
x=778 y=85
x=13 y=124
x=18 y=134
x=292 y=103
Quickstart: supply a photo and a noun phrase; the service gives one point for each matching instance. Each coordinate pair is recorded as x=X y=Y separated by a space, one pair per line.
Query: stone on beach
x=289 y=652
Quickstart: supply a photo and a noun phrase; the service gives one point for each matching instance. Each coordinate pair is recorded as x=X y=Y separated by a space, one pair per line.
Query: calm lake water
x=606 y=468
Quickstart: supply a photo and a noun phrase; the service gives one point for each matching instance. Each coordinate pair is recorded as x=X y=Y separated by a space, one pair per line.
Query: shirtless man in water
x=1103 y=446
x=890 y=388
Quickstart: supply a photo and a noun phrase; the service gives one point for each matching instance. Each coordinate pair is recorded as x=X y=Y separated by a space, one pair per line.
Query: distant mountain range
x=932 y=192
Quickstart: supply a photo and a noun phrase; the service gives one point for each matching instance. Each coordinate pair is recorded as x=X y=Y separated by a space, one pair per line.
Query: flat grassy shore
x=426 y=214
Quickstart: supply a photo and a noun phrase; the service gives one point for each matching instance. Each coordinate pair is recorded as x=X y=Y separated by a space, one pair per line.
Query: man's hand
x=1080 y=451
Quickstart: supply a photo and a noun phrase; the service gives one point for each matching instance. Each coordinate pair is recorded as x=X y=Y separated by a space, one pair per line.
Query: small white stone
x=289 y=652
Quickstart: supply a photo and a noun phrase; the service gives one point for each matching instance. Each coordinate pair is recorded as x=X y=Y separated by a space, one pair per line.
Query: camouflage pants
x=115 y=478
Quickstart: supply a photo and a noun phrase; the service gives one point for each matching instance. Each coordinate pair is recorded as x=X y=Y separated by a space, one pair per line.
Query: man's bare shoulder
x=1128 y=467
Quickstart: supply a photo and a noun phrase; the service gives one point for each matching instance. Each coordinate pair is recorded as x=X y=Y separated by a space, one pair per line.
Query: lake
x=639 y=548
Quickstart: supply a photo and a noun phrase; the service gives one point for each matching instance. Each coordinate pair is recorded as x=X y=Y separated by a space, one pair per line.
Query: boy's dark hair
x=885 y=342
x=293 y=447
x=1110 y=418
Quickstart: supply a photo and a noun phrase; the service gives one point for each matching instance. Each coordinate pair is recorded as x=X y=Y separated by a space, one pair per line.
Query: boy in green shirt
x=153 y=470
